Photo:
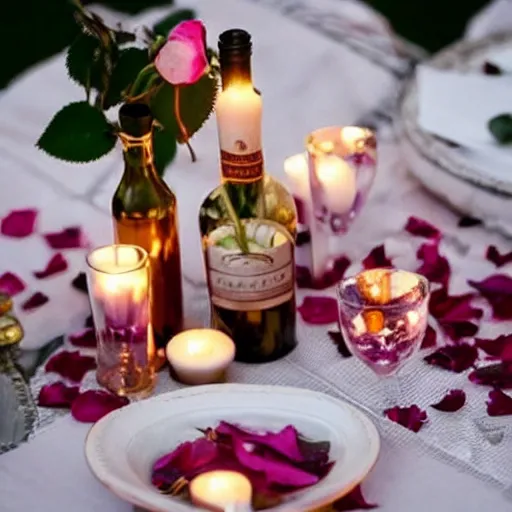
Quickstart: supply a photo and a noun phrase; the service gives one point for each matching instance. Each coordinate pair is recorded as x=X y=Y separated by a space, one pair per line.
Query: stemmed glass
x=383 y=317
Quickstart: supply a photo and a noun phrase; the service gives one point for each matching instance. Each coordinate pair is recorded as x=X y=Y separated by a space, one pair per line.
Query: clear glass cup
x=383 y=317
x=119 y=285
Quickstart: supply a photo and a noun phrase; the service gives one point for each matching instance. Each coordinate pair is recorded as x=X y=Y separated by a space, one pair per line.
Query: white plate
x=122 y=447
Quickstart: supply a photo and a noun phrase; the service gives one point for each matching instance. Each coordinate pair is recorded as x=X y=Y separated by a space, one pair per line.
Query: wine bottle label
x=241 y=168
x=259 y=279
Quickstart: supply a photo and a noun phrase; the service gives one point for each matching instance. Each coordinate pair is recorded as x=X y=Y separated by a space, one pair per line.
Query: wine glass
x=383 y=317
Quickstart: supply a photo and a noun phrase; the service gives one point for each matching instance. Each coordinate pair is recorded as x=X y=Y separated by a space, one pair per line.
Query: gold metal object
x=11 y=331
x=5 y=303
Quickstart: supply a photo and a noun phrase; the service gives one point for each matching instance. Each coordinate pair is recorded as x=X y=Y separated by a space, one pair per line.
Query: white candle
x=200 y=356
x=354 y=138
x=297 y=173
x=222 y=490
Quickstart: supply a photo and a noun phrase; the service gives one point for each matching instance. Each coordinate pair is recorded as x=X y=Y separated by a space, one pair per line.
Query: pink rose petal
x=318 y=310
x=331 y=276
x=57 y=395
x=456 y=358
x=11 y=284
x=37 y=300
x=19 y=223
x=419 y=227
x=452 y=401
x=499 y=403
x=92 y=405
x=497 y=289
x=377 y=259
x=86 y=338
x=57 y=264
x=495 y=375
x=70 y=365
x=494 y=256
x=495 y=347
x=339 y=341
x=430 y=339
x=411 y=417
x=354 y=500
x=68 y=238
x=435 y=267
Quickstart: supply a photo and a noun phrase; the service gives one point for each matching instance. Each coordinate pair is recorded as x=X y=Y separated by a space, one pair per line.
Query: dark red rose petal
x=89 y=321
x=469 y=222
x=497 y=289
x=419 y=227
x=35 y=301
x=377 y=259
x=331 y=276
x=318 y=310
x=68 y=238
x=435 y=267
x=85 y=338
x=452 y=401
x=491 y=69
x=339 y=341
x=495 y=347
x=92 y=405
x=11 y=284
x=19 y=223
x=411 y=417
x=80 y=282
x=430 y=339
x=494 y=256
x=57 y=395
x=70 y=365
x=57 y=264
x=456 y=358
x=495 y=375
x=498 y=403
x=354 y=500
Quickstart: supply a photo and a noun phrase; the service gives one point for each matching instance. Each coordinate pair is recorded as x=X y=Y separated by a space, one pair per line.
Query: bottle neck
x=138 y=155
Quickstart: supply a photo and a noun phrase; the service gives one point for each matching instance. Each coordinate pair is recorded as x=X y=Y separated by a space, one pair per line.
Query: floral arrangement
x=173 y=72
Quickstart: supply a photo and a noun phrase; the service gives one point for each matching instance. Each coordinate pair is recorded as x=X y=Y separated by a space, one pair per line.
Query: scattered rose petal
x=499 y=403
x=331 y=276
x=318 y=310
x=469 y=222
x=377 y=259
x=495 y=347
x=37 y=300
x=85 y=338
x=11 y=284
x=89 y=321
x=419 y=227
x=80 y=282
x=455 y=358
x=19 y=223
x=57 y=395
x=339 y=341
x=92 y=405
x=68 y=238
x=497 y=289
x=434 y=267
x=494 y=375
x=70 y=365
x=491 y=69
x=430 y=339
x=354 y=500
x=411 y=417
x=57 y=264
x=506 y=354
x=452 y=401
x=494 y=256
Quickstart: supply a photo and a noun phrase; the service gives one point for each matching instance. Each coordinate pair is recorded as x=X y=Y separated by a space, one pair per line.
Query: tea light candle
x=200 y=356
x=221 y=491
x=297 y=173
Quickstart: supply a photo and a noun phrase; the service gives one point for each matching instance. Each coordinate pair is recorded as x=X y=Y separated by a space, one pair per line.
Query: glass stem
x=391 y=389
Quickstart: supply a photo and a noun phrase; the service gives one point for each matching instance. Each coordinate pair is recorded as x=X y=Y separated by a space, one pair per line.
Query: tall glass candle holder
x=119 y=286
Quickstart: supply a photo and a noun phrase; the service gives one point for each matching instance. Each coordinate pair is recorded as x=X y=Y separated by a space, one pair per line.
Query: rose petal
x=339 y=341
x=430 y=339
x=456 y=358
x=497 y=289
x=68 y=238
x=92 y=405
x=37 y=300
x=19 y=223
x=498 y=403
x=80 y=282
x=411 y=417
x=57 y=264
x=331 y=276
x=57 y=395
x=491 y=69
x=494 y=256
x=469 y=222
x=377 y=259
x=495 y=347
x=452 y=401
x=318 y=310
x=435 y=267
x=89 y=321
x=354 y=500
x=495 y=375
x=70 y=365
x=85 y=338
x=11 y=284
x=419 y=227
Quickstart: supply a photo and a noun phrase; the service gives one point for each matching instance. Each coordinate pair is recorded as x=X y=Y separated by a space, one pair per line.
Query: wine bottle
x=248 y=223
x=145 y=214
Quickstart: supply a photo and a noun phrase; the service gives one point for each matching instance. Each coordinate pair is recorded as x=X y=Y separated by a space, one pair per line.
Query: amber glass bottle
x=145 y=214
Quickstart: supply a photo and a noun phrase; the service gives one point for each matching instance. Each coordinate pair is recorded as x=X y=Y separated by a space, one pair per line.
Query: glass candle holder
x=119 y=285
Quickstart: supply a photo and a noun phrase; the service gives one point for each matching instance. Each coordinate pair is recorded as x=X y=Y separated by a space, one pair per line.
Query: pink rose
x=182 y=59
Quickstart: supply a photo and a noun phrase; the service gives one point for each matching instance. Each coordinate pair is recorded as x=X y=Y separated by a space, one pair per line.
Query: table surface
x=327 y=71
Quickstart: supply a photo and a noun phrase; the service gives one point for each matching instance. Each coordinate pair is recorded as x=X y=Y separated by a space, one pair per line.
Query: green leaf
x=196 y=105
x=163 y=27
x=164 y=147
x=84 y=61
x=131 y=61
x=78 y=133
x=501 y=128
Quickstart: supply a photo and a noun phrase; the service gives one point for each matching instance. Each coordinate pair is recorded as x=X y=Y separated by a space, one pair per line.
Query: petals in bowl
x=338 y=339
x=57 y=264
x=456 y=358
x=86 y=338
x=497 y=289
x=70 y=365
x=92 y=405
x=419 y=227
x=411 y=417
x=80 y=282
x=377 y=259
x=37 y=300
x=19 y=223
x=318 y=310
x=430 y=338
x=452 y=401
x=494 y=375
x=494 y=256
x=68 y=238
x=496 y=347
x=354 y=500
x=57 y=394
x=11 y=284
x=435 y=267
x=499 y=403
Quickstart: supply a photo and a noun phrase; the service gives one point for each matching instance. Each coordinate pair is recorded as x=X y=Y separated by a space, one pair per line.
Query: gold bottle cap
x=11 y=331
